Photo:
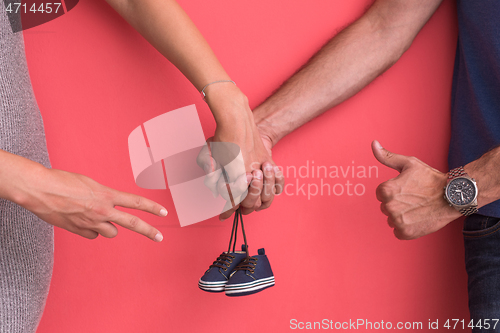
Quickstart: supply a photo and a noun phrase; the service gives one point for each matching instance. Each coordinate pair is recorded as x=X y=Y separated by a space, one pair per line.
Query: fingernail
x=277 y=170
x=268 y=168
x=215 y=194
x=249 y=178
x=258 y=174
x=207 y=169
x=163 y=212
x=158 y=237
x=378 y=145
x=221 y=219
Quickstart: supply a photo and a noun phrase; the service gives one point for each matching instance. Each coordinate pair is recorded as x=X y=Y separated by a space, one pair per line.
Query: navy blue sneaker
x=215 y=278
x=252 y=275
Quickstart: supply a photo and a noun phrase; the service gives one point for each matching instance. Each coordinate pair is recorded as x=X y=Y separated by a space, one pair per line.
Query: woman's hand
x=72 y=201
x=235 y=123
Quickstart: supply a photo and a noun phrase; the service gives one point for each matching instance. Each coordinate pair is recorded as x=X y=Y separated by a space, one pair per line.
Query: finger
x=134 y=223
x=265 y=205
x=385 y=191
x=211 y=181
x=379 y=192
x=134 y=201
x=268 y=186
x=208 y=164
x=279 y=180
x=204 y=157
x=238 y=189
x=227 y=214
x=206 y=161
x=383 y=209
x=212 y=171
x=255 y=208
x=389 y=159
x=235 y=168
x=399 y=235
x=252 y=200
x=233 y=191
x=390 y=223
x=87 y=233
x=106 y=229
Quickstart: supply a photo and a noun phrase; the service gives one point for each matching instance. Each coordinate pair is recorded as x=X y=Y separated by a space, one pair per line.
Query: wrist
x=227 y=103
x=20 y=187
x=269 y=124
x=482 y=183
x=485 y=171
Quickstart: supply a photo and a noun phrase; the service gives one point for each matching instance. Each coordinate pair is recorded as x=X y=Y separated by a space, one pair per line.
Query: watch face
x=461 y=191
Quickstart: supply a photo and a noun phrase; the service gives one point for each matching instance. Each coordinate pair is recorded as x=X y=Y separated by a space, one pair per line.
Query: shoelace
x=226 y=259
x=248 y=264
x=223 y=261
x=238 y=216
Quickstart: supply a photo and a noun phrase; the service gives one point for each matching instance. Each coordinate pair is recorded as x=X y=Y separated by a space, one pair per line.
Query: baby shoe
x=217 y=275
x=253 y=274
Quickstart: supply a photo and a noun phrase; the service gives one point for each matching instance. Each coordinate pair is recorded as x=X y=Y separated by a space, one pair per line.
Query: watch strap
x=468 y=211
x=457 y=172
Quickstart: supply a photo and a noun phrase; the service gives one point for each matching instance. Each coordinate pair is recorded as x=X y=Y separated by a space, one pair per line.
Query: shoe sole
x=243 y=289
x=214 y=287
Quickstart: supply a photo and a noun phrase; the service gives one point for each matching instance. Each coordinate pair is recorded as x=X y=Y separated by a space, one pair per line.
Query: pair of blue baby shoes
x=235 y=272
x=238 y=274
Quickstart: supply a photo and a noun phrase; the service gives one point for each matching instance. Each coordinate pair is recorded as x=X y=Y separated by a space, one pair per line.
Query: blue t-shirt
x=475 y=105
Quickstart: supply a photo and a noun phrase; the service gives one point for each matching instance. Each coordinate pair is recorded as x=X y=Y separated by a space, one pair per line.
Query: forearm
x=16 y=174
x=165 y=25
x=486 y=172
x=168 y=28
x=344 y=66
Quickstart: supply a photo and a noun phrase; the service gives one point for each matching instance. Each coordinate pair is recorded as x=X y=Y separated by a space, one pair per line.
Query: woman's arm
x=167 y=27
x=72 y=201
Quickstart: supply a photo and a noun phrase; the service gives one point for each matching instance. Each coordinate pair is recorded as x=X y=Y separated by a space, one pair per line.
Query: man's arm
x=414 y=200
x=344 y=66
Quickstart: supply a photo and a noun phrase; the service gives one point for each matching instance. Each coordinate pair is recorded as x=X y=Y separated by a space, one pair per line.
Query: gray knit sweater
x=26 y=242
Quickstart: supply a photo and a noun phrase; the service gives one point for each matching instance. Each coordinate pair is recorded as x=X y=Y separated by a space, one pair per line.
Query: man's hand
x=264 y=178
x=413 y=201
x=262 y=183
x=235 y=124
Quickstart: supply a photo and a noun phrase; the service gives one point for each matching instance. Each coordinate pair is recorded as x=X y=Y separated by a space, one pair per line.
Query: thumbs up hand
x=413 y=201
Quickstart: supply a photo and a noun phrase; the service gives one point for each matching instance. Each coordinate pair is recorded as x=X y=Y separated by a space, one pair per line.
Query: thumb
x=387 y=158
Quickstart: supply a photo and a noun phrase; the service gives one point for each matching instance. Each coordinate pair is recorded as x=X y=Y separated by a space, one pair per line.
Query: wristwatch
x=461 y=191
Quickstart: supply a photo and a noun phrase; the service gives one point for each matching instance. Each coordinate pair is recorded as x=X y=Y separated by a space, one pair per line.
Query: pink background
x=334 y=257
